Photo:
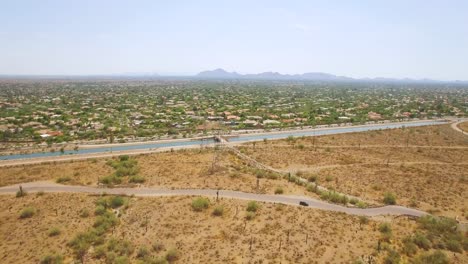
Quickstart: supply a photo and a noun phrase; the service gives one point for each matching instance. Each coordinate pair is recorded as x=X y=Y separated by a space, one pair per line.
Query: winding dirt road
x=283 y=199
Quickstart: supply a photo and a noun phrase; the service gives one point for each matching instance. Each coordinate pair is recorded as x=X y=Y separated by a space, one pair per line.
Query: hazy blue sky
x=407 y=38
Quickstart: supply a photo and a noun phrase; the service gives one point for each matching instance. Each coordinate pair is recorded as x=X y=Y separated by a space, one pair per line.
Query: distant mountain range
x=221 y=74
x=311 y=76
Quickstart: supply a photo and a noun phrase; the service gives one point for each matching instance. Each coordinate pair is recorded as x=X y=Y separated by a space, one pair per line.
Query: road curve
x=283 y=199
x=456 y=128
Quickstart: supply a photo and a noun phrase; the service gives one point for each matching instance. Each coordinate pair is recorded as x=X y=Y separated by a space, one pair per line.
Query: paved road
x=456 y=128
x=283 y=199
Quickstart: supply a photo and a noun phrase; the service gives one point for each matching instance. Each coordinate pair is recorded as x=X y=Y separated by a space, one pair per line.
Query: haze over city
x=397 y=39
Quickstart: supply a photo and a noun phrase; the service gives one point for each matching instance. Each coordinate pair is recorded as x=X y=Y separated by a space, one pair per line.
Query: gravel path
x=283 y=199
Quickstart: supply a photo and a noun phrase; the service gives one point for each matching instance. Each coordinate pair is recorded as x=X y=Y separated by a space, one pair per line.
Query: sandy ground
x=426 y=167
x=179 y=169
x=198 y=236
x=464 y=126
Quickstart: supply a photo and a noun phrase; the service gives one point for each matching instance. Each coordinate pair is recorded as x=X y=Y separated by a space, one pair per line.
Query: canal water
x=275 y=135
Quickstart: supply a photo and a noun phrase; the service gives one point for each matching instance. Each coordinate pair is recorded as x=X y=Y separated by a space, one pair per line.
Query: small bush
x=54 y=231
x=40 y=193
x=279 y=190
x=63 y=179
x=392 y=258
x=218 y=210
x=111 y=179
x=389 y=199
x=252 y=206
x=120 y=247
x=27 y=212
x=52 y=259
x=363 y=219
x=385 y=228
x=353 y=201
x=116 y=201
x=438 y=257
x=100 y=210
x=84 y=213
x=250 y=215
x=454 y=246
x=409 y=247
x=200 y=204
x=142 y=253
x=172 y=255
x=361 y=204
x=21 y=194
x=137 y=179
x=124 y=157
x=158 y=246
x=329 y=178
x=421 y=241
x=312 y=178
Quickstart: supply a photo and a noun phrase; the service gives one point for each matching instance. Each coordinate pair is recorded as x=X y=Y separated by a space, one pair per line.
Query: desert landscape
x=168 y=229
x=176 y=229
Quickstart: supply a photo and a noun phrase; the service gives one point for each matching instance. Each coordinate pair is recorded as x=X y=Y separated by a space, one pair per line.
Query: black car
x=303 y=203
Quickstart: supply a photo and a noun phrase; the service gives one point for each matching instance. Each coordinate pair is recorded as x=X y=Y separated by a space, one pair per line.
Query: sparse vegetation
x=279 y=190
x=389 y=199
x=63 y=179
x=52 y=259
x=218 y=210
x=252 y=206
x=27 y=212
x=54 y=231
x=200 y=204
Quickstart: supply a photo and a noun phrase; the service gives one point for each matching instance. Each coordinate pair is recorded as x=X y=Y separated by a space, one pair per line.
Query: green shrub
x=21 y=194
x=218 y=210
x=54 y=231
x=310 y=187
x=63 y=179
x=27 y=212
x=250 y=215
x=200 y=204
x=329 y=178
x=392 y=258
x=454 y=246
x=353 y=201
x=52 y=259
x=172 y=255
x=363 y=219
x=279 y=190
x=100 y=210
x=137 y=179
x=120 y=247
x=252 y=206
x=104 y=222
x=124 y=157
x=438 y=257
x=361 y=204
x=111 y=179
x=385 y=228
x=116 y=201
x=389 y=198
x=84 y=213
x=409 y=247
x=143 y=252
x=100 y=251
x=121 y=260
x=421 y=241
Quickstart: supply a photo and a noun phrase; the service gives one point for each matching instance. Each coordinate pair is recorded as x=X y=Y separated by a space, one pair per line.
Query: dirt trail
x=283 y=199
